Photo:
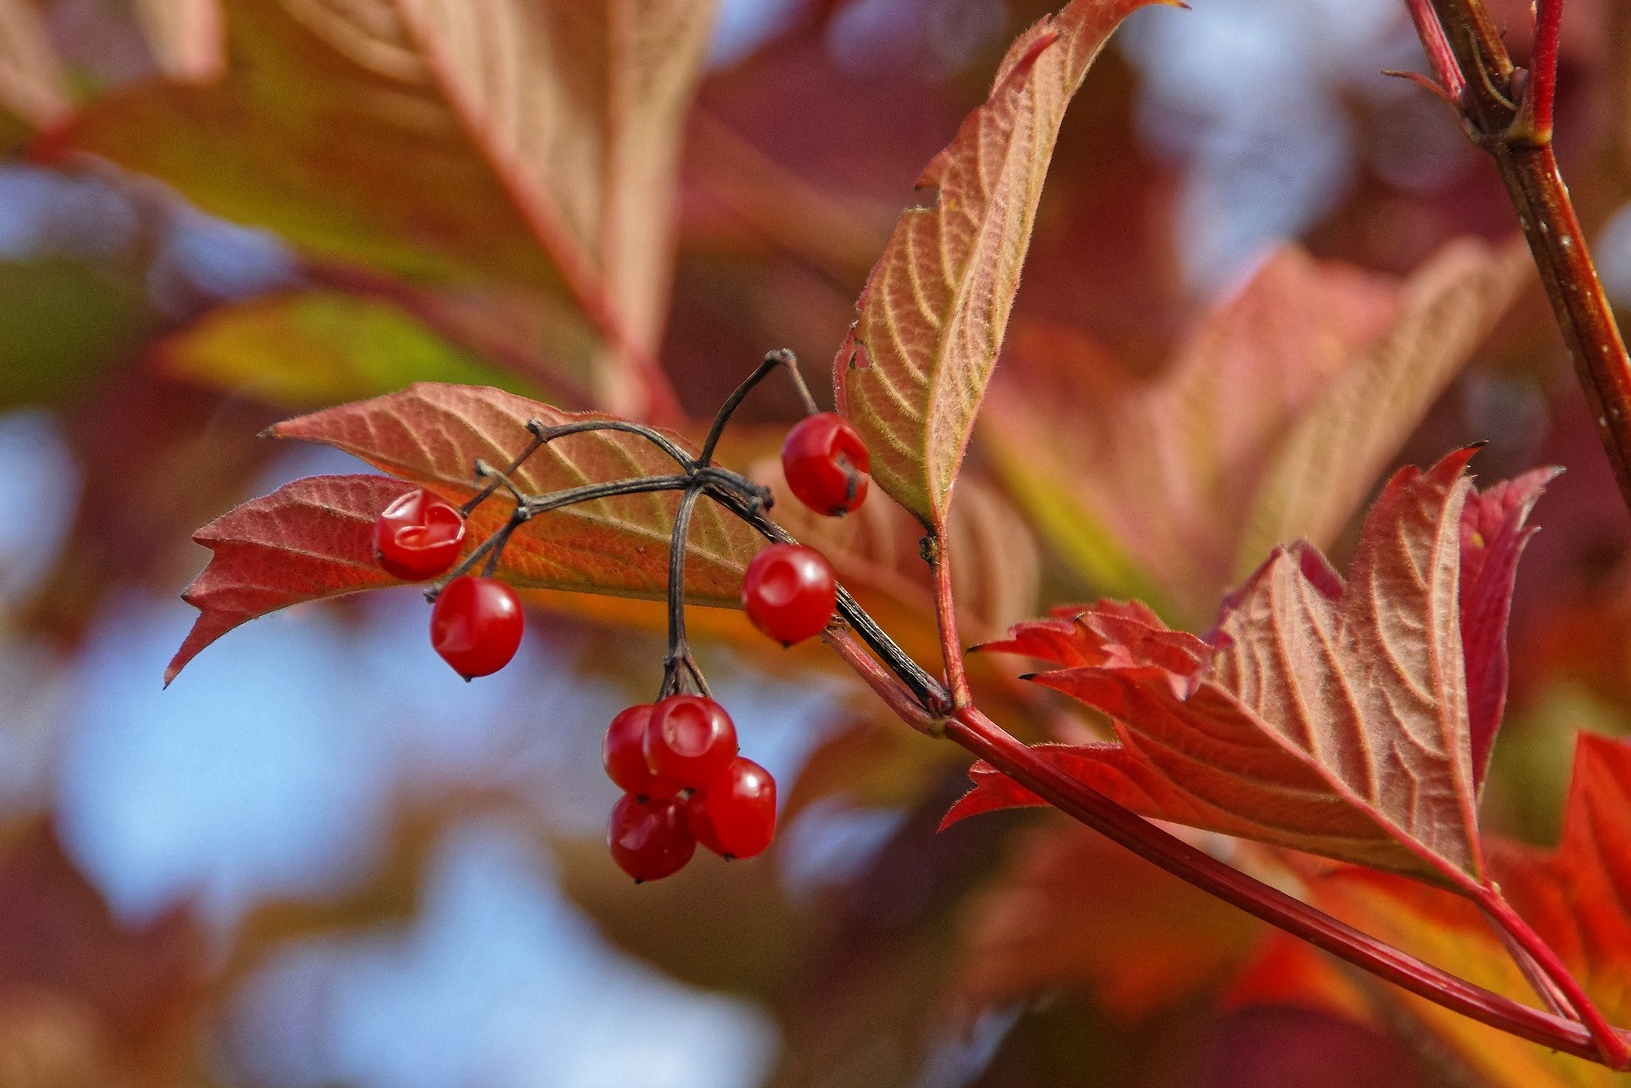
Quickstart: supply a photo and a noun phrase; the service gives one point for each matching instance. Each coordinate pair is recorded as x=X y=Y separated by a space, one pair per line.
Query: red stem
x=881 y=681
x=1612 y=1045
x=1437 y=47
x=1543 y=65
x=1522 y=151
x=945 y=615
x=978 y=734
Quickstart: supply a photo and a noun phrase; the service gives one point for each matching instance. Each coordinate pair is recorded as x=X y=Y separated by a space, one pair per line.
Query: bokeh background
x=319 y=859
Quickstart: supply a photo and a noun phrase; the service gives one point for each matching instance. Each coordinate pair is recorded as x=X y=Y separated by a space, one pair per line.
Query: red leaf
x=310 y=539
x=305 y=541
x=1073 y=910
x=1576 y=897
x=1320 y=717
x=1493 y=534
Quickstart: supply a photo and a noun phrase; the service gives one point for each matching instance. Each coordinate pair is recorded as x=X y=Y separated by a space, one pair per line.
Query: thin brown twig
x=1506 y=115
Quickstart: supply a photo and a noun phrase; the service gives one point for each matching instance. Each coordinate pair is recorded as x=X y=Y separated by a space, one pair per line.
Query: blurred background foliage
x=320 y=860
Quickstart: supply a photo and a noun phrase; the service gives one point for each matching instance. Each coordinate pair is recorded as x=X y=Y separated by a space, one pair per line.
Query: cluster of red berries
x=476 y=623
x=683 y=784
x=676 y=760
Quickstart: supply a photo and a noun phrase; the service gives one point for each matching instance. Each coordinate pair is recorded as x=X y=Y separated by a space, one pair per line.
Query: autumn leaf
x=1072 y=910
x=1329 y=461
x=1160 y=488
x=311 y=540
x=310 y=349
x=535 y=142
x=913 y=370
x=1494 y=531
x=308 y=540
x=1577 y=897
x=91 y=997
x=1325 y=717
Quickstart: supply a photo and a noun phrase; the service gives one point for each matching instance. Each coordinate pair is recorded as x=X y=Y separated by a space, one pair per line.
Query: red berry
x=826 y=463
x=476 y=625
x=418 y=536
x=649 y=839
x=689 y=741
x=624 y=755
x=789 y=593
x=735 y=816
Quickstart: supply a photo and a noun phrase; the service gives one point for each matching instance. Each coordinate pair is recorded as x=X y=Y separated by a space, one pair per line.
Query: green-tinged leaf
x=313 y=349
x=535 y=142
x=63 y=324
x=1329 y=461
x=1148 y=487
x=33 y=87
x=312 y=538
x=913 y=370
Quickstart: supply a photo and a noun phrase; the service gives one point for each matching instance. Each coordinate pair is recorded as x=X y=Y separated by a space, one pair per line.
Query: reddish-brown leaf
x=306 y=541
x=432 y=434
x=1323 y=717
x=1074 y=911
x=913 y=370
x=1493 y=534
x=85 y=997
x=1578 y=897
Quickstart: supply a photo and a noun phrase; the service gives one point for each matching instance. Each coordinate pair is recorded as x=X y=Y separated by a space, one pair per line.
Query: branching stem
x=1508 y=113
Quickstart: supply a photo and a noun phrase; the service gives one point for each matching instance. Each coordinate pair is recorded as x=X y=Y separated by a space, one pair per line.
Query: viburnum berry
x=735 y=815
x=689 y=740
x=789 y=593
x=623 y=753
x=826 y=463
x=476 y=625
x=649 y=838
x=418 y=536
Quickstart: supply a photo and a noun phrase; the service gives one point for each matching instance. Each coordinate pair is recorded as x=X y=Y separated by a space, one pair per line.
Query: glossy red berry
x=735 y=816
x=418 y=536
x=623 y=752
x=689 y=740
x=789 y=593
x=649 y=839
x=476 y=625
x=826 y=463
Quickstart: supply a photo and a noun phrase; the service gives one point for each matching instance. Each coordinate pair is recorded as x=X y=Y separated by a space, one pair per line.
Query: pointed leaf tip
x=1330 y=717
x=1494 y=532
x=912 y=372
